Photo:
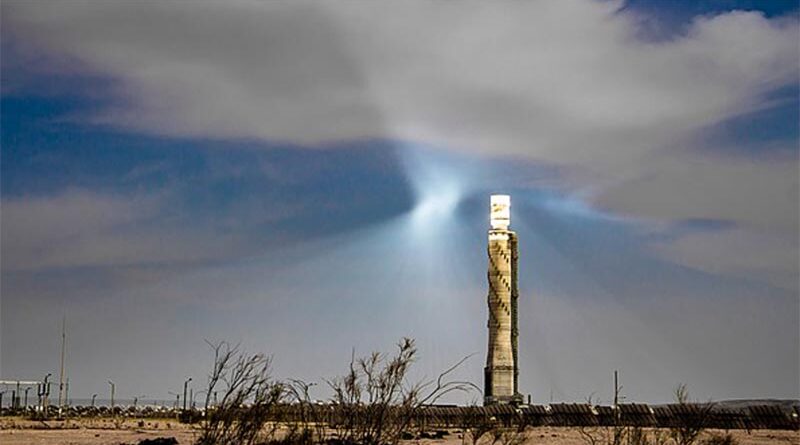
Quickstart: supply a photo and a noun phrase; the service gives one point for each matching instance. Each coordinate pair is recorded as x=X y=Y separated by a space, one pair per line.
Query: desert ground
x=107 y=432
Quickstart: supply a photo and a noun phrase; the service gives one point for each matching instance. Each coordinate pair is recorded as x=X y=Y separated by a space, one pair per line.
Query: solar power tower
x=501 y=374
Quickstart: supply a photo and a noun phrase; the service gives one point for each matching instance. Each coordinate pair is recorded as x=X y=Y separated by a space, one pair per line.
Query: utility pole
x=61 y=376
x=113 y=387
x=185 y=386
x=46 y=395
x=177 y=399
x=619 y=430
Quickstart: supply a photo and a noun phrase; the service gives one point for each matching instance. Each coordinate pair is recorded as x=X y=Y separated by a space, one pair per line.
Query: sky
x=310 y=179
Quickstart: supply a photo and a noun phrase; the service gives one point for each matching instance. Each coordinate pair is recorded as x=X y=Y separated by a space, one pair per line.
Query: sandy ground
x=106 y=432
x=92 y=432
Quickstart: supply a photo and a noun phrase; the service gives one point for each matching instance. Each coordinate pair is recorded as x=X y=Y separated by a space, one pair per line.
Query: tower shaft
x=502 y=373
x=499 y=372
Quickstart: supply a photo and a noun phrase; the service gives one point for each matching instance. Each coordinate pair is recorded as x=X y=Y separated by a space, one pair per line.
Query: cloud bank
x=555 y=80
x=570 y=83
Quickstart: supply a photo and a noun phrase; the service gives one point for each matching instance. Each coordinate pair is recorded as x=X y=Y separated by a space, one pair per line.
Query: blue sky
x=307 y=179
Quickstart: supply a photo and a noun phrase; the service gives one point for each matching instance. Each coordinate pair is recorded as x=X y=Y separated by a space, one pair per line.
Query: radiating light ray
x=585 y=308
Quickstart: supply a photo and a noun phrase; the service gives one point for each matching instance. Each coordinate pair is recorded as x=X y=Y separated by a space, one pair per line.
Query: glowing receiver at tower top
x=501 y=374
x=500 y=215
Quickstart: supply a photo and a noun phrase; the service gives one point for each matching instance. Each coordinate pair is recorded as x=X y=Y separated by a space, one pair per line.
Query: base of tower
x=516 y=399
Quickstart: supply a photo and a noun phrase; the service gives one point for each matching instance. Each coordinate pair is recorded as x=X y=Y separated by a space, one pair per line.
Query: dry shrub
x=308 y=427
x=373 y=404
x=376 y=405
x=249 y=396
x=475 y=424
x=694 y=419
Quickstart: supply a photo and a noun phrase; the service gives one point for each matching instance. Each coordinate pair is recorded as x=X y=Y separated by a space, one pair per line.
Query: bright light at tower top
x=500 y=215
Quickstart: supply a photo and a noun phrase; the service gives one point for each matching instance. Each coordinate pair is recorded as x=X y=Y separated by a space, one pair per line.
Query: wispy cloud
x=80 y=228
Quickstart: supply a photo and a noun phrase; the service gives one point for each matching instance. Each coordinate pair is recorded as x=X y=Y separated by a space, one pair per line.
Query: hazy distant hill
x=744 y=403
x=787 y=405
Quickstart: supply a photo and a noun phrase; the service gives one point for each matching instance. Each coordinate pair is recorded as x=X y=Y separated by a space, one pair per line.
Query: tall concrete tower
x=501 y=373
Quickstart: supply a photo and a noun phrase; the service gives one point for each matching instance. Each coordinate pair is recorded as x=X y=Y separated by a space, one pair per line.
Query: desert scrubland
x=17 y=431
